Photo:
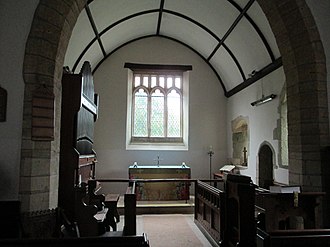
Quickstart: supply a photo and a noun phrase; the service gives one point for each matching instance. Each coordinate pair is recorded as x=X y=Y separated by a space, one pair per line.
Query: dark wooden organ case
x=78 y=114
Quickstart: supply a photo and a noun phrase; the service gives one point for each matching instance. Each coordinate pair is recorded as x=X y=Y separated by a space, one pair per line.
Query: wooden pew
x=242 y=223
x=289 y=219
x=294 y=238
x=109 y=201
x=227 y=216
x=280 y=208
x=129 y=228
x=210 y=211
x=240 y=220
x=89 y=217
x=130 y=210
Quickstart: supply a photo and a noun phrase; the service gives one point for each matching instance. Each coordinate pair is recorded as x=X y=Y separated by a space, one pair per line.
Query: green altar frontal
x=161 y=191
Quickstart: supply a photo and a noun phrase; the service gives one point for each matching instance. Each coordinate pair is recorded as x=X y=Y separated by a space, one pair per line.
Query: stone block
x=296 y=166
x=295 y=178
x=25 y=185
x=40 y=167
x=39 y=201
x=50 y=13
x=40 y=184
x=312 y=167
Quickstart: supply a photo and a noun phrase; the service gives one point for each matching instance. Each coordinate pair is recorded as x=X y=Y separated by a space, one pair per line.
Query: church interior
x=217 y=108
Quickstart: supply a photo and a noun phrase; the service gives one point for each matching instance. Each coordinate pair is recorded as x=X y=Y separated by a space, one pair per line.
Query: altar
x=161 y=191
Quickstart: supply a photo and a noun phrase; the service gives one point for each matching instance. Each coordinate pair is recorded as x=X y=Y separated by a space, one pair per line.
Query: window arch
x=157 y=115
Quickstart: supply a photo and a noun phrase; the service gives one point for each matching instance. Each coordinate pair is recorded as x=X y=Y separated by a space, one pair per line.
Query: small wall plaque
x=43 y=114
x=3 y=104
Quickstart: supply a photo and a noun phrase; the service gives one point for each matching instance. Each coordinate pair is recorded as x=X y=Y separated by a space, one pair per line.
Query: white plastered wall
x=207 y=111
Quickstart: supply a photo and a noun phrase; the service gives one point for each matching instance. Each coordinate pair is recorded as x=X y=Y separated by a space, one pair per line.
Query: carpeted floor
x=167 y=230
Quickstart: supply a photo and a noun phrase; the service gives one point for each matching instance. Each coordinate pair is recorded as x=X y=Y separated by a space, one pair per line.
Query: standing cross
x=158 y=159
x=244 y=156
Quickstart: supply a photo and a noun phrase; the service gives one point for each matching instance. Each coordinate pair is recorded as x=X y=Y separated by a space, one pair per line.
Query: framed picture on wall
x=3 y=104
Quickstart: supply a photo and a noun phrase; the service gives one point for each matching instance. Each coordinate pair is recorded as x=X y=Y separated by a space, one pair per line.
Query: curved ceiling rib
x=239 y=17
x=225 y=54
x=170 y=38
x=99 y=34
x=261 y=35
x=213 y=35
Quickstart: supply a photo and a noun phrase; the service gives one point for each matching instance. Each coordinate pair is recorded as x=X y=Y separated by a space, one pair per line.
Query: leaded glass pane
x=150 y=106
x=178 y=82
x=145 y=81
x=137 y=81
x=162 y=81
x=140 y=114
x=174 y=114
x=169 y=82
x=153 y=81
x=157 y=114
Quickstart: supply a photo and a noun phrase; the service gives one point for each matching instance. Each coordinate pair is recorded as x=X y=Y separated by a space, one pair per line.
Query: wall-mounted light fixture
x=263 y=100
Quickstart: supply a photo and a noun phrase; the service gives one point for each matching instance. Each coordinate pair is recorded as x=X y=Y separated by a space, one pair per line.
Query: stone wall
x=44 y=55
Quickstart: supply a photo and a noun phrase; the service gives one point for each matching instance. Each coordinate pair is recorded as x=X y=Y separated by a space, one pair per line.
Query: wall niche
x=240 y=139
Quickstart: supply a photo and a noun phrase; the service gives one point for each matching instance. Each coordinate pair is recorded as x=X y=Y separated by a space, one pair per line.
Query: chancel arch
x=303 y=62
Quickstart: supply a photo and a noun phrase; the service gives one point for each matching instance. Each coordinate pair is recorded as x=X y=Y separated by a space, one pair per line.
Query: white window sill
x=157 y=146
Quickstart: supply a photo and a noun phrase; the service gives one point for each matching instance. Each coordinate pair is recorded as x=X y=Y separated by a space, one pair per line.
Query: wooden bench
x=113 y=217
x=294 y=238
x=109 y=201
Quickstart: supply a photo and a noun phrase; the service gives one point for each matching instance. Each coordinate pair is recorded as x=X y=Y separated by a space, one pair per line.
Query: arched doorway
x=265 y=161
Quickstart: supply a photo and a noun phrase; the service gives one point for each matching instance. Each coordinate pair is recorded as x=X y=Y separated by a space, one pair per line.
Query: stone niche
x=240 y=140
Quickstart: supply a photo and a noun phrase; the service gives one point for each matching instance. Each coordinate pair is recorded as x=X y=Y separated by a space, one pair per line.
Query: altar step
x=161 y=207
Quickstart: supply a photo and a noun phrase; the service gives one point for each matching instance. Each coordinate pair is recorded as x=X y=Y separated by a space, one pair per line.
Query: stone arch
x=44 y=57
x=303 y=61
x=305 y=69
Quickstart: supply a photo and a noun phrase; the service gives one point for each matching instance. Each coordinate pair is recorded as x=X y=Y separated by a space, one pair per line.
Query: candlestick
x=210 y=153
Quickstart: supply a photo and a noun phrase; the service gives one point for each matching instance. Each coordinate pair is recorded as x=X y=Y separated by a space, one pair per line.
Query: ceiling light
x=253 y=73
x=263 y=100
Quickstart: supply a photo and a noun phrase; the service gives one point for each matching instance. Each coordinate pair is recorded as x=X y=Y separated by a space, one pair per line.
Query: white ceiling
x=232 y=36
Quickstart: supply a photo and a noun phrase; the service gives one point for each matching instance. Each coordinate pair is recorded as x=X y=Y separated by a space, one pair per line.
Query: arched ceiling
x=232 y=36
